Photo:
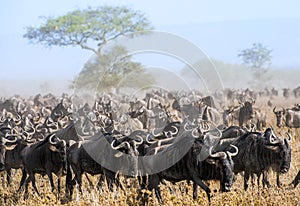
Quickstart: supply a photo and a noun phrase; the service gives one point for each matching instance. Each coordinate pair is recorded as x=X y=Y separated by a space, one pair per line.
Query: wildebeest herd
x=225 y=133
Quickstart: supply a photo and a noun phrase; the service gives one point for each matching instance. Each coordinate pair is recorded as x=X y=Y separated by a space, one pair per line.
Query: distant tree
x=92 y=29
x=258 y=58
x=45 y=87
x=110 y=70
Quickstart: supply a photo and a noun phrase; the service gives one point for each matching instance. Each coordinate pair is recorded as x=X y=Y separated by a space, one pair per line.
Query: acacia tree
x=258 y=58
x=91 y=29
x=119 y=72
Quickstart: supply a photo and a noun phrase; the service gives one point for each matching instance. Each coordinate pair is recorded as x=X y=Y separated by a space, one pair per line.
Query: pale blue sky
x=219 y=28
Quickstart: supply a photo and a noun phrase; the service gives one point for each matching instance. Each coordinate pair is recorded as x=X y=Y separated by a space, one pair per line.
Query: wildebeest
x=245 y=113
x=242 y=114
x=81 y=161
x=13 y=158
x=233 y=132
x=287 y=117
x=5 y=147
x=260 y=118
x=259 y=152
x=69 y=134
x=192 y=167
x=44 y=157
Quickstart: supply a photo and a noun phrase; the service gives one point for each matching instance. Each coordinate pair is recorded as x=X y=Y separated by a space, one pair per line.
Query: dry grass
x=274 y=196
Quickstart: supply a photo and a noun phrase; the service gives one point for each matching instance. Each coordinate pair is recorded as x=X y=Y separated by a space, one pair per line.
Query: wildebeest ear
x=211 y=161
x=11 y=147
x=271 y=147
x=53 y=148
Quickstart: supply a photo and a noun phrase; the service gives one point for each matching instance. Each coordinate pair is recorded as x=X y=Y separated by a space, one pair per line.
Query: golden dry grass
x=285 y=196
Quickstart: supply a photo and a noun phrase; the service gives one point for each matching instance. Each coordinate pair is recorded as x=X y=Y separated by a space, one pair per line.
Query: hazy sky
x=219 y=28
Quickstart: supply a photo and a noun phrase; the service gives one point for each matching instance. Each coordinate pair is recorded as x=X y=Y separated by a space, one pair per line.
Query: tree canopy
x=258 y=58
x=92 y=29
x=89 y=28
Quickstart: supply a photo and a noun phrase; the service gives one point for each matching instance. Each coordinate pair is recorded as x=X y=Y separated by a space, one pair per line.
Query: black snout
x=64 y=171
x=284 y=170
x=227 y=187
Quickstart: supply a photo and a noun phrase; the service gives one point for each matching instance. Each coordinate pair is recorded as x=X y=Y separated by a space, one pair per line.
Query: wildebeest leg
x=32 y=177
x=246 y=179
x=2 y=179
x=90 y=182
x=49 y=174
x=24 y=174
x=101 y=179
x=58 y=185
x=78 y=178
x=112 y=179
x=8 y=175
x=278 y=179
x=202 y=185
x=154 y=181
x=26 y=187
x=195 y=195
x=266 y=181
x=68 y=182
x=158 y=195
x=143 y=185
x=183 y=188
x=253 y=179
x=258 y=180
x=296 y=180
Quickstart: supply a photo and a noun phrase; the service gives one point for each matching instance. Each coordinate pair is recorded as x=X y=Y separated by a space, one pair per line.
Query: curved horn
x=139 y=142
x=18 y=118
x=150 y=141
x=38 y=129
x=53 y=130
x=26 y=134
x=176 y=130
x=274 y=109
x=193 y=133
x=232 y=154
x=120 y=145
x=253 y=128
x=153 y=133
x=31 y=140
x=51 y=141
x=33 y=130
x=185 y=127
x=222 y=155
x=289 y=136
x=274 y=141
x=2 y=119
x=4 y=140
x=205 y=126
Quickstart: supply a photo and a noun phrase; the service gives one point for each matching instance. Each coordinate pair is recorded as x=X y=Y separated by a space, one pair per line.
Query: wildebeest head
x=4 y=147
x=248 y=109
x=281 y=148
x=58 y=146
x=225 y=164
x=128 y=148
x=279 y=116
x=246 y=112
